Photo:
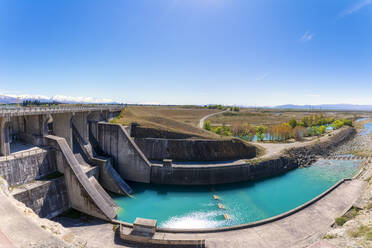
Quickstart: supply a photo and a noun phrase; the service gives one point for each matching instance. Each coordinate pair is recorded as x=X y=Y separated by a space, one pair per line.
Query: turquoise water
x=195 y=207
x=362 y=119
x=367 y=128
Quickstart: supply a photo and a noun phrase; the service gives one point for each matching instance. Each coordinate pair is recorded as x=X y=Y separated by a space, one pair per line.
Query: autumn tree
x=299 y=133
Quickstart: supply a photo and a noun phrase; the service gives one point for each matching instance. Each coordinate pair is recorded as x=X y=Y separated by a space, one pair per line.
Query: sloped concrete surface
x=83 y=195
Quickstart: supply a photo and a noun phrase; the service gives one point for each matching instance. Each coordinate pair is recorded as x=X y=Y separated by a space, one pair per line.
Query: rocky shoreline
x=304 y=156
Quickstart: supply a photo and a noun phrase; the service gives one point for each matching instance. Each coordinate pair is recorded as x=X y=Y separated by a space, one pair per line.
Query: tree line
x=313 y=125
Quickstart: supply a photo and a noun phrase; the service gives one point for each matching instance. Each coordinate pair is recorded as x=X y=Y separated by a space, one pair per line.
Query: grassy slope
x=175 y=119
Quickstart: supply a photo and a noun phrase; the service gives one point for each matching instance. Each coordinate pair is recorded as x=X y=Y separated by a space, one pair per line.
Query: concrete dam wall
x=128 y=159
x=146 y=132
x=47 y=198
x=195 y=150
x=220 y=174
x=204 y=174
x=24 y=168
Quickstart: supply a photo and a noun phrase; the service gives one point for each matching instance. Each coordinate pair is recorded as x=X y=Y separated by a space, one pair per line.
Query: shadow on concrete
x=74 y=218
x=18 y=146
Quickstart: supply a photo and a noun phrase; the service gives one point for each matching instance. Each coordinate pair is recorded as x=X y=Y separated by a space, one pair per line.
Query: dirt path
x=274 y=149
x=201 y=123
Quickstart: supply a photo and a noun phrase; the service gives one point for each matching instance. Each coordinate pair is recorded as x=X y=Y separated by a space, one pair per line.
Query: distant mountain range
x=9 y=99
x=328 y=107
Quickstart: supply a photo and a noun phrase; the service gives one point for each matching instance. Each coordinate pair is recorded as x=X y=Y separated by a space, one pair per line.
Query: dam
x=49 y=159
x=60 y=158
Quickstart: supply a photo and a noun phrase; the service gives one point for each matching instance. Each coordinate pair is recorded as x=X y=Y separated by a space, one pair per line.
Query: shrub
x=322 y=129
x=346 y=217
x=347 y=122
x=226 y=130
x=293 y=123
x=338 y=124
x=236 y=109
x=249 y=132
x=340 y=221
x=330 y=236
x=312 y=131
x=305 y=121
x=260 y=131
x=218 y=130
x=207 y=125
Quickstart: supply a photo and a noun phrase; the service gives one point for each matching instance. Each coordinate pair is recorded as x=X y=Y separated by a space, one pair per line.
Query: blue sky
x=256 y=52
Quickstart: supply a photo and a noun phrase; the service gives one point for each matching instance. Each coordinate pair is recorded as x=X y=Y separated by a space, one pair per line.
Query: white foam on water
x=195 y=220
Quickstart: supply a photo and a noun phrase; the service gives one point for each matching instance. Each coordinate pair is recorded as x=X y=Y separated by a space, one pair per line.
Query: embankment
x=196 y=150
x=306 y=154
x=246 y=170
x=145 y=132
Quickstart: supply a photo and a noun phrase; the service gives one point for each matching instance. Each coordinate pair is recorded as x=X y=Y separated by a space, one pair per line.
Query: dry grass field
x=170 y=118
x=185 y=119
x=269 y=117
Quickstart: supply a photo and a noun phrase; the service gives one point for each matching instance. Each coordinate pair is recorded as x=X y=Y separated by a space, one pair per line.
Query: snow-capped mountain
x=8 y=99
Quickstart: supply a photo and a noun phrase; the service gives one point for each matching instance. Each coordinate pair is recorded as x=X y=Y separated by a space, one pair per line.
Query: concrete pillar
x=44 y=126
x=4 y=137
x=31 y=129
x=105 y=115
x=93 y=119
x=62 y=126
x=34 y=125
x=80 y=121
x=21 y=124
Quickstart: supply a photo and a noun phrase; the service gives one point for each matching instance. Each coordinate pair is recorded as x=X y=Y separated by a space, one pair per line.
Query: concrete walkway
x=5 y=242
x=201 y=122
x=19 y=230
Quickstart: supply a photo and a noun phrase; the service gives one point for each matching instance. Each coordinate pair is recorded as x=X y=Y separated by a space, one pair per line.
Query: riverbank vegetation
x=308 y=126
x=270 y=117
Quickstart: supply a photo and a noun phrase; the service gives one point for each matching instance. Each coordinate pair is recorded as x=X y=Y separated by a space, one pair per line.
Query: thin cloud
x=307 y=36
x=355 y=8
x=262 y=77
x=313 y=95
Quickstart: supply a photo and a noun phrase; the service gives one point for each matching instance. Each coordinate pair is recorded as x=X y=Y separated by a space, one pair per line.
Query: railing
x=11 y=110
x=21 y=154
